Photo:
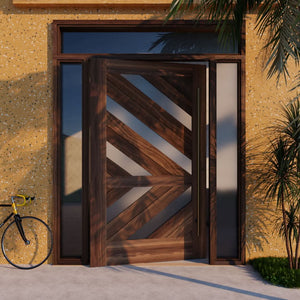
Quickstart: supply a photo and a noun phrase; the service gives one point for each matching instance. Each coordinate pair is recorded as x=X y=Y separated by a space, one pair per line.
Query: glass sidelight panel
x=71 y=177
x=227 y=181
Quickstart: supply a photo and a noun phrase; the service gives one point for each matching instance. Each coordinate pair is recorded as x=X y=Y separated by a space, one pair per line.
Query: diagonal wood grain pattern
x=174 y=89
x=142 y=211
x=166 y=188
x=155 y=207
x=146 y=110
x=138 y=149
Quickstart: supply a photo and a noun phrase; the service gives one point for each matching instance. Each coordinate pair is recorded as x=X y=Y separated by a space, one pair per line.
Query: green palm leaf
x=280 y=18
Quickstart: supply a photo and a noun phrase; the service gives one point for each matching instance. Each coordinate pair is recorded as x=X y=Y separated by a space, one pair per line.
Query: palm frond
x=228 y=14
x=290 y=123
x=292 y=222
x=179 y=7
x=278 y=175
x=281 y=19
x=297 y=85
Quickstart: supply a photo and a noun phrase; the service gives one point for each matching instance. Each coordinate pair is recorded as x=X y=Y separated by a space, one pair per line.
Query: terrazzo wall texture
x=264 y=98
x=26 y=97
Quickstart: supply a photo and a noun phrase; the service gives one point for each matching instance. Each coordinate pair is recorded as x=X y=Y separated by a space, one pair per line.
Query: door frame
x=135 y=25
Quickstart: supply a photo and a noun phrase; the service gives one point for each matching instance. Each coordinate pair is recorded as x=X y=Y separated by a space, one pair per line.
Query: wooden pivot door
x=147 y=161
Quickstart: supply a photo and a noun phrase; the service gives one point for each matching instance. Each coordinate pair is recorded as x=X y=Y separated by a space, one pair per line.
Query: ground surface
x=177 y=280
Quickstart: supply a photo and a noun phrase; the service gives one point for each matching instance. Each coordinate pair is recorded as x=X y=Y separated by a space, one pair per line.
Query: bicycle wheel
x=27 y=256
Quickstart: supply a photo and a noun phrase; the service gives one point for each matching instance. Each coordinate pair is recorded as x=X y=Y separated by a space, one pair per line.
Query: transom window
x=144 y=43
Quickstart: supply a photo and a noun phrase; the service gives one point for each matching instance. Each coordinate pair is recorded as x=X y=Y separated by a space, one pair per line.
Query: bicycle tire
x=23 y=256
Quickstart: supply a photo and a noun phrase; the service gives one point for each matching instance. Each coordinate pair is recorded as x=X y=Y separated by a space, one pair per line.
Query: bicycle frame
x=2 y=224
x=16 y=216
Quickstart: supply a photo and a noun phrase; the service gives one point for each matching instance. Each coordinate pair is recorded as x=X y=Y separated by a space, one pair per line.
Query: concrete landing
x=176 y=280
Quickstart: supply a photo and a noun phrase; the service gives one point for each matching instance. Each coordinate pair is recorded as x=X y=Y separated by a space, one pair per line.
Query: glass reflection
x=143 y=42
x=71 y=205
x=227 y=181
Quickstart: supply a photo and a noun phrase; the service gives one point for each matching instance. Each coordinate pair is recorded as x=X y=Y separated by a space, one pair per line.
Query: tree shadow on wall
x=25 y=129
x=25 y=143
x=259 y=213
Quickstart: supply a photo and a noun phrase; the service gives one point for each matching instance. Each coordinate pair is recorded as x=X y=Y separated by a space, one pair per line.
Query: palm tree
x=279 y=176
x=292 y=227
x=290 y=127
x=278 y=181
x=280 y=18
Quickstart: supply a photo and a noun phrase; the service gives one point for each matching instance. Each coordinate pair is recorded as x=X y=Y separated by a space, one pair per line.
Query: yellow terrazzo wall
x=264 y=98
x=26 y=96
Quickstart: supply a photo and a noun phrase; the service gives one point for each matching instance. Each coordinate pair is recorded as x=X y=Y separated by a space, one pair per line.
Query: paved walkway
x=177 y=280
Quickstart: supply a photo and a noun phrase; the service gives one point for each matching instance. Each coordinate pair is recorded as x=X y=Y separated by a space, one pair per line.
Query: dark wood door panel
x=148 y=207
x=150 y=217
x=132 y=181
x=173 y=90
x=183 y=86
x=141 y=151
x=150 y=250
x=146 y=110
x=179 y=226
x=113 y=194
x=136 y=212
x=114 y=169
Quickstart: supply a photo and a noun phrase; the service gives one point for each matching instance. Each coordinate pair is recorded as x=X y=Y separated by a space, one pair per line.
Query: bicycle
x=22 y=240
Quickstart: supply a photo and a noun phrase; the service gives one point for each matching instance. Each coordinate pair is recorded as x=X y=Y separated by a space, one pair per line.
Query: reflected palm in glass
x=190 y=43
x=144 y=42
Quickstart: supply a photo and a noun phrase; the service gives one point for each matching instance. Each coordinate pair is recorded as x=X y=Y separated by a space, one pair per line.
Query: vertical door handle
x=198 y=161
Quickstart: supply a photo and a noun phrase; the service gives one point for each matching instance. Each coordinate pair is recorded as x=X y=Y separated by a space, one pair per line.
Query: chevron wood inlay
x=145 y=109
x=161 y=198
x=115 y=170
x=138 y=149
x=171 y=91
x=138 y=208
x=179 y=226
x=151 y=176
x=182 y=84
x=132 y=181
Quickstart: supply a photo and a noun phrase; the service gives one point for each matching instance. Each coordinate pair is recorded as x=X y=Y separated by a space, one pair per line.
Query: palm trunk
x=297 y=247
x=287 y=244
x=291 y=248
x=298 y=237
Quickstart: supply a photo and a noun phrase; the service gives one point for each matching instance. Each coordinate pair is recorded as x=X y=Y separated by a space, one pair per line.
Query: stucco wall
x=26 y=96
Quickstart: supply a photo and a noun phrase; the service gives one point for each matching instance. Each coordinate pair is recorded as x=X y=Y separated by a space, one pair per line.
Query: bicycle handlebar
x=26 y=199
